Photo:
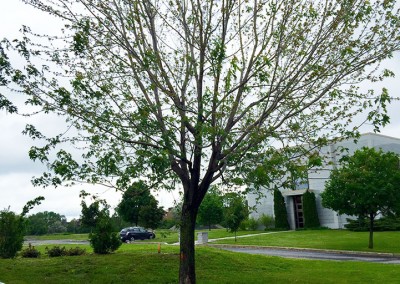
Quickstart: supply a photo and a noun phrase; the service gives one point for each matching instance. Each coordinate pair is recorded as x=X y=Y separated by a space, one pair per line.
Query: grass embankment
x=142 y=264
x=324 y=239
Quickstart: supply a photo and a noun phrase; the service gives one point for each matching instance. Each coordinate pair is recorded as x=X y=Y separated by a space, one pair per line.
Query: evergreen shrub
x=281 y=221
x=311 y=219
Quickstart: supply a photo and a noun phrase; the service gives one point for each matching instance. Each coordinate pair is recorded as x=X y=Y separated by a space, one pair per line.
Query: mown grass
x=165 y=236
x=76 y=237
x=325 y=239
x=142 y=264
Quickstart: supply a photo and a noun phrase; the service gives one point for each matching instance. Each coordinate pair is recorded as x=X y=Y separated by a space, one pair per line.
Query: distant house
x=315 y=182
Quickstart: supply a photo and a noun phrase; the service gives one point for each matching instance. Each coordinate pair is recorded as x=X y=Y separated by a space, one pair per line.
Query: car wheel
x=151 y=237
x=131 y=239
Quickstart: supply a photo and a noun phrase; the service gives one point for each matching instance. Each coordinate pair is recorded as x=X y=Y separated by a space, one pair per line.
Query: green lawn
x=77 y=237
x=165 y=236
x=142 y=264
x=325 y=239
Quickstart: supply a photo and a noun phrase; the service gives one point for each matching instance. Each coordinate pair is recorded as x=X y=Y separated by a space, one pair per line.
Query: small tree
x=103 y=240
x=90 y=214
x=366 y=184
x=12 y=229
x=310 y=212
x=211 y=210
x=97 y=216
x=236 y=211
x=280 y=212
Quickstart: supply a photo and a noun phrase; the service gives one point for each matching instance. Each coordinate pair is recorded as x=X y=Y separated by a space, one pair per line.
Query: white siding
x=318 y=177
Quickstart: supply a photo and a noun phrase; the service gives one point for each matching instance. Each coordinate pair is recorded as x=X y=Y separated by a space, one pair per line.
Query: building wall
x=318 y=177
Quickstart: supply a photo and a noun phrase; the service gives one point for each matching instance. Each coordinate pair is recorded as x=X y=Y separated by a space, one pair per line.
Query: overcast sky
x=16 y=169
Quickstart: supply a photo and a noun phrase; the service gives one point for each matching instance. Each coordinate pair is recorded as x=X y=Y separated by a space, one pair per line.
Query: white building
x=316 y=183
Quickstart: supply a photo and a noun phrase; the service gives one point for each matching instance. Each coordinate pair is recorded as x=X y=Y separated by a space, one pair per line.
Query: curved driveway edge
x=317 y=254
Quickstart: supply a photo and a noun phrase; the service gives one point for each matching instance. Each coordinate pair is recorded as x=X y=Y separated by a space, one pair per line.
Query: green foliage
x=90 y=214
x=30 y=252
x=267 y=221
x=11 y=234
x=56 y=251
x=235 y=212
x=103 y=240
x=75 y=251
x=211 y=210
x=139 y=207
x=366 y=183
x=310 y=212
x=281 y=221
x=251 y=224
x=391 y=223
x=191 y=112
x=46 y=223
x=12 y=229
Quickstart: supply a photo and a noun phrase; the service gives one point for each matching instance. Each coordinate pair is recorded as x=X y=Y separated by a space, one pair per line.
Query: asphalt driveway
x=317 y=254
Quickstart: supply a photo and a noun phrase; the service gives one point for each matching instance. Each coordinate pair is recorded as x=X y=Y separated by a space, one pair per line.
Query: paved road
x=55 y=242
x=320 y=255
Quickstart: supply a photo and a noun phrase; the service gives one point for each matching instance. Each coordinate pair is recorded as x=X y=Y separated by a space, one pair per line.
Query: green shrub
x=267 y=221
x=30 y=252
x=382 y=224
x=75 y=251
x=11 y=234
x=311 y=219
x=252 y=224
x=281 y=221
x=56 y=251
x=103 y=240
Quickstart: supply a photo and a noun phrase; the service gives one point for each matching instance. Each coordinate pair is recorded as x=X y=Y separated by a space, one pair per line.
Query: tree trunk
x=371 y=231
x=187 y=274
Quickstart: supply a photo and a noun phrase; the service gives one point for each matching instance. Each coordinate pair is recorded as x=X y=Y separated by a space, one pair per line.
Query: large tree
x=189 y=93
x=211 y=210
x=46 y=223
x=138 y=206
x=366 y=184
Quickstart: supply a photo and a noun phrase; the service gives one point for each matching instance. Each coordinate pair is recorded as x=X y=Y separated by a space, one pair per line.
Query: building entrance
x=298 y=211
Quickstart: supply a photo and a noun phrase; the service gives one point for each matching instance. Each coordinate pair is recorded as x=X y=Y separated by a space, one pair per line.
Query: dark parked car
x=135 y=233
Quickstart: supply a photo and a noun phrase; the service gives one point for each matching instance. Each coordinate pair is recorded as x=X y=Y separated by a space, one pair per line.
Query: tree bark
x=371 y=231
x=187 y=274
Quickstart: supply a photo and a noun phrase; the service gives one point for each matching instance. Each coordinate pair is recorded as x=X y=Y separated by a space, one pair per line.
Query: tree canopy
x=138 y=206
x=235 y=211
x=366 y=184
x=211 y=210
x=46 y=222
x=193 y=93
